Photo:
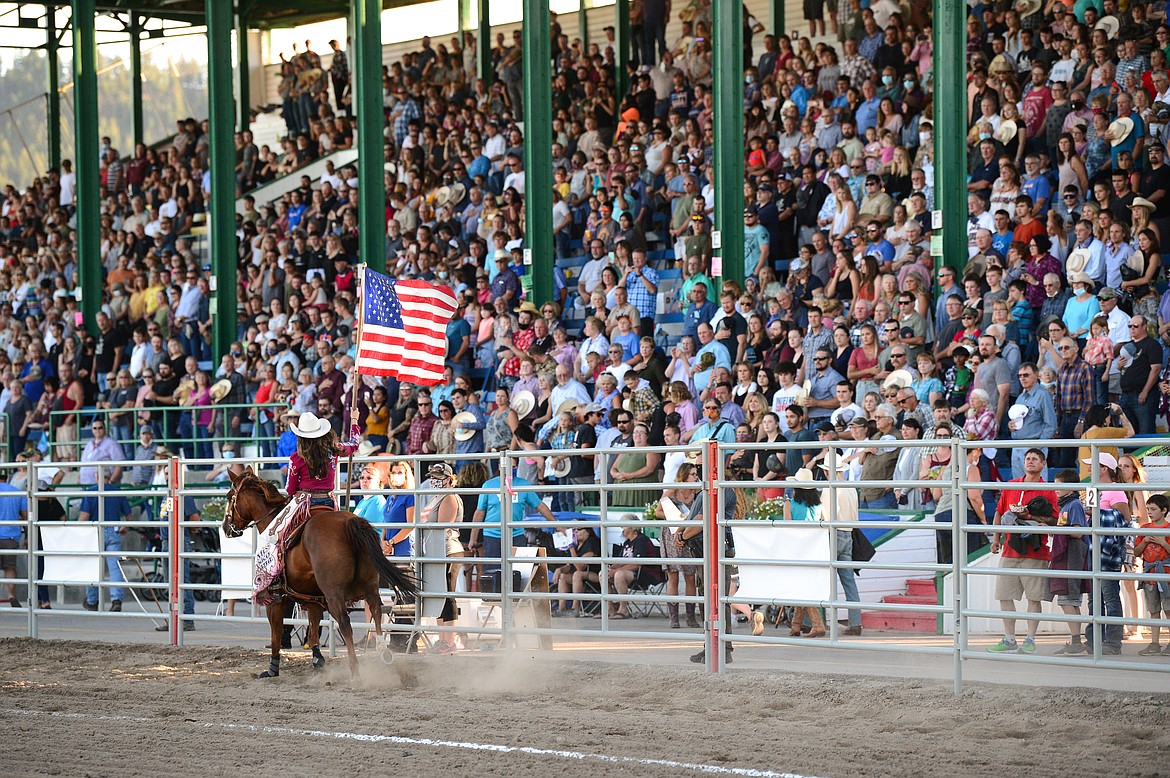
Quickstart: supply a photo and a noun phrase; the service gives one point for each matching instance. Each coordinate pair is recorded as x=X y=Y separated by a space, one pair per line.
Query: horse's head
x=250 y=502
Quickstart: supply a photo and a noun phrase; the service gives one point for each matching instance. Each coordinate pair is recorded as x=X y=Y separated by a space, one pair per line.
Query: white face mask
x=397 y=480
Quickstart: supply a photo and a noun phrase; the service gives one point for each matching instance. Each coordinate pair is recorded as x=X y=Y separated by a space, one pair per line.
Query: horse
x=339 y=559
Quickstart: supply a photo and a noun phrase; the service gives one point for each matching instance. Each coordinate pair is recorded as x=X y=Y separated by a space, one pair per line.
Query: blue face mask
x=908 y=84
x=984 y=135
x=887 y=80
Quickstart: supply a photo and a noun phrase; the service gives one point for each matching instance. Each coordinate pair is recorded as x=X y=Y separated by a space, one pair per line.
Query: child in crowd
x=1154 y=551
x=1023 y=314
x=1099 y=354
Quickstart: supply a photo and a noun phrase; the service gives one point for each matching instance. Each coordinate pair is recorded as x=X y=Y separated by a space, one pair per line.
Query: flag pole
x=353 y=423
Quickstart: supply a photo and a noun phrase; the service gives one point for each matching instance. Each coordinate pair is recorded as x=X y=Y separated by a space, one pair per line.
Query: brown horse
x=338 y=559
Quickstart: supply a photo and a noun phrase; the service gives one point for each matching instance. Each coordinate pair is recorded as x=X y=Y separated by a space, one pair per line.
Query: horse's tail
x=365 y=541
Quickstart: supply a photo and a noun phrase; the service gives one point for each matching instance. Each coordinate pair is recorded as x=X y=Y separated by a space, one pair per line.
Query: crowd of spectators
x=846 y=326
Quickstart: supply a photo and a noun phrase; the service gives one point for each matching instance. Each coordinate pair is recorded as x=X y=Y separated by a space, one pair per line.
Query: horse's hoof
x=318 y=663
x=387 y=656
x=269 y=674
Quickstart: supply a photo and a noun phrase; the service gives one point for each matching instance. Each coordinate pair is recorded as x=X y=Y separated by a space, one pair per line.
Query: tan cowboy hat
x=442 y=196
x=568 y=406
x=457 y=191
x=1141 y=202
x=1110 y=25
x=1120 y=130
x=309 y=426
x=562 y=468
x=1137 y=262
x=1006 y=132
x=898 y=378
x=1026 y=8
x=1077 y=261
x=220 y=389
x=365 y=448
x=1081 y=277
x=523 y=402
x=529 y=306
x=803 y=474
x=466 y=417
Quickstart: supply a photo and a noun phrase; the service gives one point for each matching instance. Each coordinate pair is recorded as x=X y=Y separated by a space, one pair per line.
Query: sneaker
x=701 y=657
x=1028 y=646
x=1166 y=650
x=440 y=649
x=1110 y=650
x=757 y=624
x=1151 y=650
x=90 y=606
x=1071 y=649
x=14 y=602
x=115 y=606
x=854 y=631
x=188 y=626
x=1004 y=646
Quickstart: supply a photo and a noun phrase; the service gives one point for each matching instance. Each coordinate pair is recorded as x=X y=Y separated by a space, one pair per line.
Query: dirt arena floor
x=93 y=709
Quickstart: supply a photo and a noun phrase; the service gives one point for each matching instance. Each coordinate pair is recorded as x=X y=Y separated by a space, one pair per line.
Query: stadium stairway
x=919 y=591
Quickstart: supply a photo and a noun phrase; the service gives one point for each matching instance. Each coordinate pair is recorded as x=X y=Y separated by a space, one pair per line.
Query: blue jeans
x=886 y=502
x=1141 y=415
x=845 y=574
x=113 y=542
x=1111 y=634
x=1100 y=385
x=491 y=549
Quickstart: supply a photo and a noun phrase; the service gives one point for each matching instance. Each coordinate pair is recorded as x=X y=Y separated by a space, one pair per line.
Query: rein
x=230 y=515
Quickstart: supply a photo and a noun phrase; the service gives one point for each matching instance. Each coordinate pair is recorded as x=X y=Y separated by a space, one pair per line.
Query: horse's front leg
x=315 y=612
x=275 y=612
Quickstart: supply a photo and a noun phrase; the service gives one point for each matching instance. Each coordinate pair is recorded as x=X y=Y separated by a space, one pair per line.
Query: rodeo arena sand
x=88 y=708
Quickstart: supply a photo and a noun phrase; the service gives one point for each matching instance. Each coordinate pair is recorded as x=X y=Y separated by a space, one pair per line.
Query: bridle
x=229 y=526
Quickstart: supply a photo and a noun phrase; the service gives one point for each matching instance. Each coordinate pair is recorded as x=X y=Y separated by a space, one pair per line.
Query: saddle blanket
x=269 y=576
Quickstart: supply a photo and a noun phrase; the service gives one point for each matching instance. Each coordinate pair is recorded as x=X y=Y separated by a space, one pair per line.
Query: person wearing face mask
x=399 y=511
x=445 y=508
x=1082 y=307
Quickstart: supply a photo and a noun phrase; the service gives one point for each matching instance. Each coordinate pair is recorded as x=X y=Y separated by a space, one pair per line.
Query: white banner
x=71 y=538
x=236 y=573
x=797 y=541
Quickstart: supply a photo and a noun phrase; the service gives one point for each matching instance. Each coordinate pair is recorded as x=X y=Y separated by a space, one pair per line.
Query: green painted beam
x=776 y=7
x=221 y=216
x=367 y=71
x=135 y=30
x=729 y=145
x=53 y=97
x=483 y=43
x=621 y=47
x=244 y=98
x=538 y=178
x=950 y=157
x=88 y=195
x=583 y=23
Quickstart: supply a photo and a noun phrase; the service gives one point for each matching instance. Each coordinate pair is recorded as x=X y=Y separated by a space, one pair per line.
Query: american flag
x=404 y=328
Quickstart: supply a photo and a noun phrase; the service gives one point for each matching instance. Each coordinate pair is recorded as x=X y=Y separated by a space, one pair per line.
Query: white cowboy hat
x=442 y=196
x=562 y=468
x=309 y=426
x=1141 y=202
x=1017 y=412
x=803 y=475
x=1026 y=8
x=568 y=406
x=523 y=402
x=365 y=448
x=898 y=378
x=1120 y=130
x=220 y=389
x=1110 y=25
x=457 y=191
x=1136 y=262
x=1081 y=277
x=1006 y=132
x=1105 y=458
x=465 y=417
x=1077 y=261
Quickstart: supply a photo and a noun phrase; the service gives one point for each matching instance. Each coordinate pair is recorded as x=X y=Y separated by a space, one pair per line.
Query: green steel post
x=538 y=178
x=483 y=43
x=136 y=77
x=950 y=169
x=728 y=87
x=53 y=124
x=777 y=9
x=367 y=69
x=461 y=9
x=621 y=47
x=222 y=207
x=88 y=195
x=583 y=24
x=244 y=101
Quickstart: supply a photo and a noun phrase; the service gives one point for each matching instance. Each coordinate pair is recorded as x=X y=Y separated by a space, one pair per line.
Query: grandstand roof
x=262 y=14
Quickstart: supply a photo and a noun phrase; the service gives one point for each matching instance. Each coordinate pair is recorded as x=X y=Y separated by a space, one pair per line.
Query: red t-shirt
x=1010 y=497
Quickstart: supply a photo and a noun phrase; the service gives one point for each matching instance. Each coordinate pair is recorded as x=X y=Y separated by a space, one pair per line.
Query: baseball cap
x=593 y=408
x=1108 y=293
x=796 y=265
x=826 y=426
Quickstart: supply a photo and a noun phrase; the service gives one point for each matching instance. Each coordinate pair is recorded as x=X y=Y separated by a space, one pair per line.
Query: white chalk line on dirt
x=579 y=756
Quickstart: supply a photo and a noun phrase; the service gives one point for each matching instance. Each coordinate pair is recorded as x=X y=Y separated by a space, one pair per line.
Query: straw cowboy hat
x=530 y=306
x=466 y=417
x=1120 y=130
x=1077 y=261
x=1006 y=132
x=365 y=448
x=309 y=426
x=898 y=378
x=1081 y=277
x=523 y=402
x=1026 y=8
x=1110 y=25
x=1141 y=202
x=568 y=406
x=803 y=475
x=220 y=389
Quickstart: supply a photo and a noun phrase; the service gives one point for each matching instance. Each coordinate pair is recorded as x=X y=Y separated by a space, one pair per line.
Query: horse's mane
x=267 y=489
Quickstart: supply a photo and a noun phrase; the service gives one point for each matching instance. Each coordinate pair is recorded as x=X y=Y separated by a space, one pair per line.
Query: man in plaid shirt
x=641 y=285
x=1112 y=558
x=1074 y=395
